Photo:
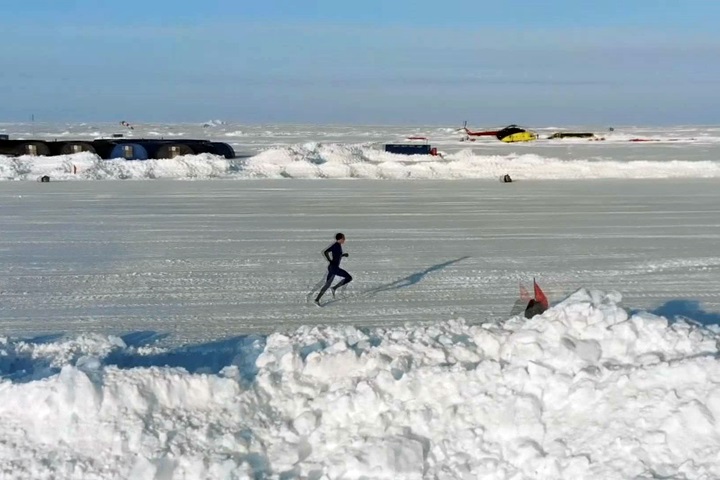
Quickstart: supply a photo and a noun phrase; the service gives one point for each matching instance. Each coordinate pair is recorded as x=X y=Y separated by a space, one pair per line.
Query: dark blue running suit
x=334 y=269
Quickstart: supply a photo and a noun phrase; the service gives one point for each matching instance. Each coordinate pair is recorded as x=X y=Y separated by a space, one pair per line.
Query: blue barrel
x=129 y=151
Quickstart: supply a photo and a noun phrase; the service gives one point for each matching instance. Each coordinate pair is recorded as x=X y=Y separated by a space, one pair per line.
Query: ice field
x=161 y=329
x=206 y=259
x=292 y=151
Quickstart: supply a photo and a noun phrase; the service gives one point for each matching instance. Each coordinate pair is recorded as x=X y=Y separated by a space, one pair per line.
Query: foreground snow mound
x=583 y=391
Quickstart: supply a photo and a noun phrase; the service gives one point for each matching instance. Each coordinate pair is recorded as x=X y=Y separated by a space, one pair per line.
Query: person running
x=334 y=254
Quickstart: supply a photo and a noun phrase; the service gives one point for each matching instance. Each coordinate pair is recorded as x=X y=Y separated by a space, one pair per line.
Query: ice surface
x=207 y=259
x=161 y=329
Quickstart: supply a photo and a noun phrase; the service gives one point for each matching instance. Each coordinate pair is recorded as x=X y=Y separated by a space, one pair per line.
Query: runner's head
x=340 y=238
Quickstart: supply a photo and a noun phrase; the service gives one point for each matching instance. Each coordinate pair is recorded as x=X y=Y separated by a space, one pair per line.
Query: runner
x=334 y=254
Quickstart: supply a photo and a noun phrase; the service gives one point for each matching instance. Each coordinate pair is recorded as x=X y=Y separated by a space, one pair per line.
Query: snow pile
x=201 y=166
x=214 y=123
x=313 y=160
x=340 y=161
x=583 y=391
x=88 y=166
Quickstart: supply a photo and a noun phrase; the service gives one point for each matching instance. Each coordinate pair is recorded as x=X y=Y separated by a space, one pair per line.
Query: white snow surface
x=583 y=391
x=162 y=330
x=293 y=151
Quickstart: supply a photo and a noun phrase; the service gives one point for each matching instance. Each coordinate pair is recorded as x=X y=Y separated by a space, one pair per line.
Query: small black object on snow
x=506 y=178
x=44 y=179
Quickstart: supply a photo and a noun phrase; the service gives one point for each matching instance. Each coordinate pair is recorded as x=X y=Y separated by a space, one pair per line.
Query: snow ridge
x=584 y=391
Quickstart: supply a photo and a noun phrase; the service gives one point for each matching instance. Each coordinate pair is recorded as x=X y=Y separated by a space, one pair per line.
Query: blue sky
x=373 y=62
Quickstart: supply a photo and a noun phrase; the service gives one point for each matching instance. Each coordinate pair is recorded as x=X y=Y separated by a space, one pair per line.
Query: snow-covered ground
x=356 y=152
x=161 y=329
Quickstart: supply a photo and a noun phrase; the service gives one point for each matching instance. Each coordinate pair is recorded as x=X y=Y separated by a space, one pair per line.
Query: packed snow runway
x=161 y=329
x=207 y=259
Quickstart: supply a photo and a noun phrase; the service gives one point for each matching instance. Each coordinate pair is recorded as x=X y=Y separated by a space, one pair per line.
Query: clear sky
x=371 y=61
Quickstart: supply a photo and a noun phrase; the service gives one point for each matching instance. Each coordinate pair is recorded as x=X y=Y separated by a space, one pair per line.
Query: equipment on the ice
x=480 y=133
x=509 y=134
x=537 y=305
x=422 y=148
x=561 y=135
x=529 y=306
x=513 y=133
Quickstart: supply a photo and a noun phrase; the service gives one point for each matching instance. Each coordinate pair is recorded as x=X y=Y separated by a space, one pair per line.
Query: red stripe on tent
x=540 y=295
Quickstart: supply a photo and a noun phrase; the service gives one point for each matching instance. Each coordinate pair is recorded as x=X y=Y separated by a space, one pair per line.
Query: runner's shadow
x=412 y=279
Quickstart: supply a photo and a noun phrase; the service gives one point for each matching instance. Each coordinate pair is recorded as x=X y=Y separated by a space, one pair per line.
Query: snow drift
x=584 y=391
x=320 y=161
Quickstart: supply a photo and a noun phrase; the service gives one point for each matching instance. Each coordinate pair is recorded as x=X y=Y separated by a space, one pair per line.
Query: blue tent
x=129 y=151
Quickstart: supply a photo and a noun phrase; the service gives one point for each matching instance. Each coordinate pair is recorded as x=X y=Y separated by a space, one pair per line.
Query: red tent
x=540 y=295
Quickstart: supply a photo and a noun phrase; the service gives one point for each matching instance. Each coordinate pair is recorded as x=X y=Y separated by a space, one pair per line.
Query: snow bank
x=315 y=160
x=88 y=166
x=341 y=161
x=583 y=391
